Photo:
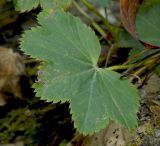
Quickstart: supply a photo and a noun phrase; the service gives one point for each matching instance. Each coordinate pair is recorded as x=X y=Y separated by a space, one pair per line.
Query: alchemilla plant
x=69 y=51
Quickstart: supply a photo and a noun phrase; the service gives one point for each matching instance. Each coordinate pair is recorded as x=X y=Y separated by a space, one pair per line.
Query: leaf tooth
x=28 y=51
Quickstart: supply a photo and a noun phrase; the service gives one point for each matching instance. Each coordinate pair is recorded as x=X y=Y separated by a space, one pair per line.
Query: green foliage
x=125 y=40
x=148 y=22
x=26 y=5
x=70 y=51
x=20 y=120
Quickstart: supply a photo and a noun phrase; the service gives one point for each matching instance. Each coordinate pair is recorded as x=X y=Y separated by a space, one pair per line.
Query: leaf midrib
x=90 y=98
x=114 y=101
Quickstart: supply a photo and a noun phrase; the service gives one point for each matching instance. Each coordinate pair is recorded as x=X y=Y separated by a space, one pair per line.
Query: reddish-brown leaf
x=128 y=10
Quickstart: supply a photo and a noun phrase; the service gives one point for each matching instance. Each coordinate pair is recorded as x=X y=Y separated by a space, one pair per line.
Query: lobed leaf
x=70 y=51
x=27 y=5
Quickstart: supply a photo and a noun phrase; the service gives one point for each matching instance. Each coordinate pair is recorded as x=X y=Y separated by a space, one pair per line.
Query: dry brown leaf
x=11 y=69
x=128 y=9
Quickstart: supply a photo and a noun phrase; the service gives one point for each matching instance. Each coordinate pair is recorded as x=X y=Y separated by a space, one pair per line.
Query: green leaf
x=148 y=22
x=70 y=51
x=27 y=5
x=63 y=3
x=125 y=40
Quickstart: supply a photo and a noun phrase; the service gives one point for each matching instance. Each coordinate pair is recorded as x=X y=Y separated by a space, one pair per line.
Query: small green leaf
x=125 y=40
x=70 y=51
x=27 y=5
x=148 y=22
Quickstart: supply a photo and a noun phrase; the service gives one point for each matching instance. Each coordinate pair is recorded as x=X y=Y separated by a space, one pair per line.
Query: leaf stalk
x=93 y=23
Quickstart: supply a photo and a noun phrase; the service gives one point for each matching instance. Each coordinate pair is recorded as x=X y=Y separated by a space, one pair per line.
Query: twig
x=104 y=20
x=136 y=55
x=94 y=24
x=113 y=46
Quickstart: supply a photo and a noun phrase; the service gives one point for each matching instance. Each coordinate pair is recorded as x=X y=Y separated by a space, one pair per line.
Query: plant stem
x=106 y=13
x=121 y=67
x=104 y=20
x=136 y=56
x=113 y=46
x=94 y=24
x=147 y=62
